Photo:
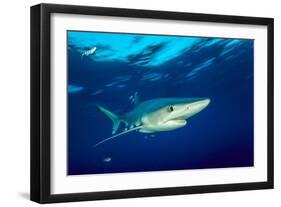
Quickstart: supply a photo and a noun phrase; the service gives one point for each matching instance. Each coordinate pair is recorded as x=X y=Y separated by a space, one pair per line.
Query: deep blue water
x=159 y=66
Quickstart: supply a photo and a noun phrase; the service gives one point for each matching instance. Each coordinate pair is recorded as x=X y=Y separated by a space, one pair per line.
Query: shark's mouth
x=177 y=121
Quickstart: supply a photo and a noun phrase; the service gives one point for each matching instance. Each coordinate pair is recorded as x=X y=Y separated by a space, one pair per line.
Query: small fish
x=110 y=84
x=89 y=52
x=74 y=88
x=121 y=86
x=107 y=159
x=97 y=92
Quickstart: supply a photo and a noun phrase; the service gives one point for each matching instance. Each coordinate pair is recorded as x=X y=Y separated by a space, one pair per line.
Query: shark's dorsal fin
x=135 y=99
x=117 y=135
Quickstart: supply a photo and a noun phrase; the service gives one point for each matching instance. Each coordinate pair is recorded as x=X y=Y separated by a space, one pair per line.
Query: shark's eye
x=170 y=108
x=188 y=107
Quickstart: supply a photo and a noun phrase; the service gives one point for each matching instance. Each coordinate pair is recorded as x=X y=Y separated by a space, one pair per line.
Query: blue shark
x=155 y=115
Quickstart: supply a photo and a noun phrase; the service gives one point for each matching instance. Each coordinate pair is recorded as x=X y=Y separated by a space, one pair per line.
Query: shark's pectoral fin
x=117 y=135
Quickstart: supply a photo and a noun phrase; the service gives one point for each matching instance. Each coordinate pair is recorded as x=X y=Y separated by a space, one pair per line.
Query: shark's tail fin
x=113 y=117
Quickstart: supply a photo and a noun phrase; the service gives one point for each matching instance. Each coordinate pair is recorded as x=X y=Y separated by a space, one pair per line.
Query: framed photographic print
x=132 y=103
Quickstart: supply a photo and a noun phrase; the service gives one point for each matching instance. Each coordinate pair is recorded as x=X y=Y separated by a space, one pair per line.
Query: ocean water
x=117 y=70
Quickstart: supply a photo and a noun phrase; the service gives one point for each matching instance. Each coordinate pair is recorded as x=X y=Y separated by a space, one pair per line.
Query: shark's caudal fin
x=117 y=135
x=113 y=117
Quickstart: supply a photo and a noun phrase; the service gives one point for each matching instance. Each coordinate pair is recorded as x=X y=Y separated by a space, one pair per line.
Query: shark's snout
x=205 y=102
x=195 y=107
x=200 y=105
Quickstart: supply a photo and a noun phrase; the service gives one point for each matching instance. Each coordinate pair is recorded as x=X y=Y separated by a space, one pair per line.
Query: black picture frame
x=41 y=98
